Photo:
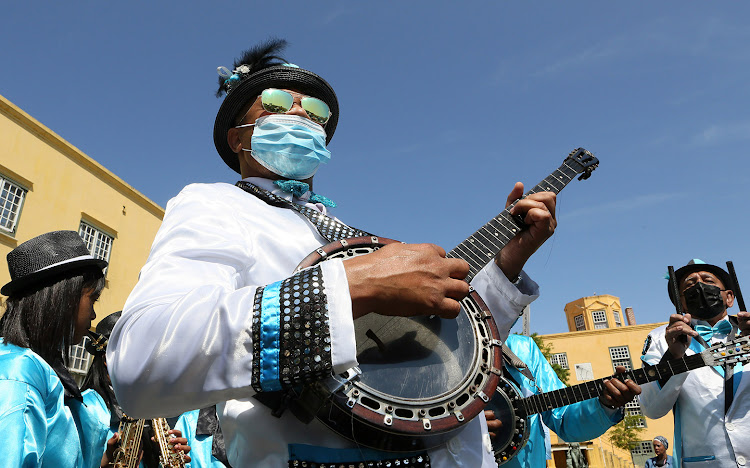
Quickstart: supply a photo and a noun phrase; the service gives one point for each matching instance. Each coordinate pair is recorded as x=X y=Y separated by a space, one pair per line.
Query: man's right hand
x=679 y=325
x=407 y=280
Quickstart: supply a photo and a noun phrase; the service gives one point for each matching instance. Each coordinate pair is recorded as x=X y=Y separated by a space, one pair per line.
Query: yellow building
x=599 y=341
x=47 y=184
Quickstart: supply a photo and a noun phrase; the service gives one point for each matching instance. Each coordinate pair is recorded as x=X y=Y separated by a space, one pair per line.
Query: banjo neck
x=482 y=246
x=724 y=353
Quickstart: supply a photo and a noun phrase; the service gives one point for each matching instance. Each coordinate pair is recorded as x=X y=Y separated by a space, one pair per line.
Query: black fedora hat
x=242 y=87
x=697 y=264
x=104 y=330
x=45 y=256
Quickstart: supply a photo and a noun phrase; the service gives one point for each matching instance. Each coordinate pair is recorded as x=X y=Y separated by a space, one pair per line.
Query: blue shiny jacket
x=38 y=427
x=573 y=423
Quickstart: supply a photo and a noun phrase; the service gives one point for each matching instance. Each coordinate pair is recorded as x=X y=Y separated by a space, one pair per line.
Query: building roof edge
x=625 y=329
x=56 y=141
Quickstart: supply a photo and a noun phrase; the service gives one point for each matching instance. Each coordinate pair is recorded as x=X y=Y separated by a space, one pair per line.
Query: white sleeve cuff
x=505 y=300
x=341 y=322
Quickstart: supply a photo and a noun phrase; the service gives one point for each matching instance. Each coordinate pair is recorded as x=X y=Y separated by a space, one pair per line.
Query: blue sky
x=444 y=105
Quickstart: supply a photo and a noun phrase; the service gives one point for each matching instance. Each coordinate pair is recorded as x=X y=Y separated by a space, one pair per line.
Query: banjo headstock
x=583 y=162
x=732 y=352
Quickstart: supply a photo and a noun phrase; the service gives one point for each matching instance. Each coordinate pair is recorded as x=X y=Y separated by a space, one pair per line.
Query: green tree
x=625 y=434
x=562 y=374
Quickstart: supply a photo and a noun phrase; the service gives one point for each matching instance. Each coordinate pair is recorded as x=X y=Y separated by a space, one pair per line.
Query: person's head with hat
x=705 y=290
x=276 y=118
x=660 y=449
x=54 y=284
x=97 y=377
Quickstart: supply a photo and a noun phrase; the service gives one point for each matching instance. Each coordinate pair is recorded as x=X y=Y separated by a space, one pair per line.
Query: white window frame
x=644 y=447
x=12 y=196
x=580 y=323
x=620 y=356
x=633 y=408
x=560 y=359
x=599 y=317
x=80 y=359
x=618 y=319
x=98 y=242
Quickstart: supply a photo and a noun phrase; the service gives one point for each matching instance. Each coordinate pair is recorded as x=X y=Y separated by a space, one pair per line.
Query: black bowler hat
x=253 y=73
x=697 y=264
x=45 y=256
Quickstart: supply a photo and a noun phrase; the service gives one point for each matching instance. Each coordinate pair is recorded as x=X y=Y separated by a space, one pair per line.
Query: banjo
x=420 y=379
x=512 y=409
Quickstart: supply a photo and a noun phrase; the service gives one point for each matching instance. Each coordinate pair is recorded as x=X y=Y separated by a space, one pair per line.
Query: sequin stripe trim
x=255 y=334
x=331 y=229
x=305 y=353
x=415 y=461
x=328 y=227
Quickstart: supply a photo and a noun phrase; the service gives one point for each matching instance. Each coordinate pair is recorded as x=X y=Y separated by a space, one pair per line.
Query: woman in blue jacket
x=45 y=421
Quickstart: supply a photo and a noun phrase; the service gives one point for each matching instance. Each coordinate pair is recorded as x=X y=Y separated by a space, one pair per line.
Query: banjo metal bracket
x=337 y=382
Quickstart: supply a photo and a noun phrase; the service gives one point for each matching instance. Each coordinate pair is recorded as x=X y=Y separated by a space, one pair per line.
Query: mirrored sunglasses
x=278 y=101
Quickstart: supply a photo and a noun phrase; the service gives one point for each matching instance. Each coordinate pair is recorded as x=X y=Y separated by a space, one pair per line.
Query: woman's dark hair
x=42 y=316
x=97 y=379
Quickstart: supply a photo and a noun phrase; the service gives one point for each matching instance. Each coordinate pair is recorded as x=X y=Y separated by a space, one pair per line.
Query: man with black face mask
x=711 y=404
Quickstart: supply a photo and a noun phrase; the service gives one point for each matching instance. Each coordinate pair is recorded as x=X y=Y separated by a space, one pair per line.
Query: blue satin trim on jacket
x=269 y=338
x=699 y=459
x=314 y=454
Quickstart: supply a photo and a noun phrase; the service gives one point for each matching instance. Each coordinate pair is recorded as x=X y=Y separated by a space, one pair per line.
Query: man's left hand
x=743 y=322
x=618 y=393
x=493 y=424
x=538 y=213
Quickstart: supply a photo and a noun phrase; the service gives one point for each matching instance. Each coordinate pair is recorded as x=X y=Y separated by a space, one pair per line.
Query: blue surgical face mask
x=288 y=145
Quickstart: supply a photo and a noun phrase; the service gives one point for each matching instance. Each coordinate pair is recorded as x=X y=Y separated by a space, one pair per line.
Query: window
x=600 y=319
x=580 y=325
x=80 y=359
x=618 y=320
x=620 y=357
x=11 y=199
x=633 y=408
x=560 y=359
x=644 y=447
x=99 y=243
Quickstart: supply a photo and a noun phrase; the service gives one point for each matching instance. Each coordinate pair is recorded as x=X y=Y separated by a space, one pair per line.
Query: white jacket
x=184 y=340
x=703 y=435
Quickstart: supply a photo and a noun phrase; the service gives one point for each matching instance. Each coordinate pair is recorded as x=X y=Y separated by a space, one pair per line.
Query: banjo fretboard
x=482 y=246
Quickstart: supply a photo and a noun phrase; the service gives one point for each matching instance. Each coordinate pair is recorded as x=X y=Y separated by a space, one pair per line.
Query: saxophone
x=131 y=430
x=167 y=457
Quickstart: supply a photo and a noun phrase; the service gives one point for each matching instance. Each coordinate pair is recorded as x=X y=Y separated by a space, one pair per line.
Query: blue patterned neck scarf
x=297 y=188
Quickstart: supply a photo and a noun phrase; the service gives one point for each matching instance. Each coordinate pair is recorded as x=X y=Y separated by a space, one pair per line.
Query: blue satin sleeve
x=578 y=422
x=36 y=428
x=92 y=421
x=200 y=445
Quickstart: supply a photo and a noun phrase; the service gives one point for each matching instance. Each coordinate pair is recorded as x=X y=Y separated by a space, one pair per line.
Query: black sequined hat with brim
x=259 y=68
x=45 y=256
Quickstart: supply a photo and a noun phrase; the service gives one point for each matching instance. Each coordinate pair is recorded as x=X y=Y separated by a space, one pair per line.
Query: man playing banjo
x=219 y=315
